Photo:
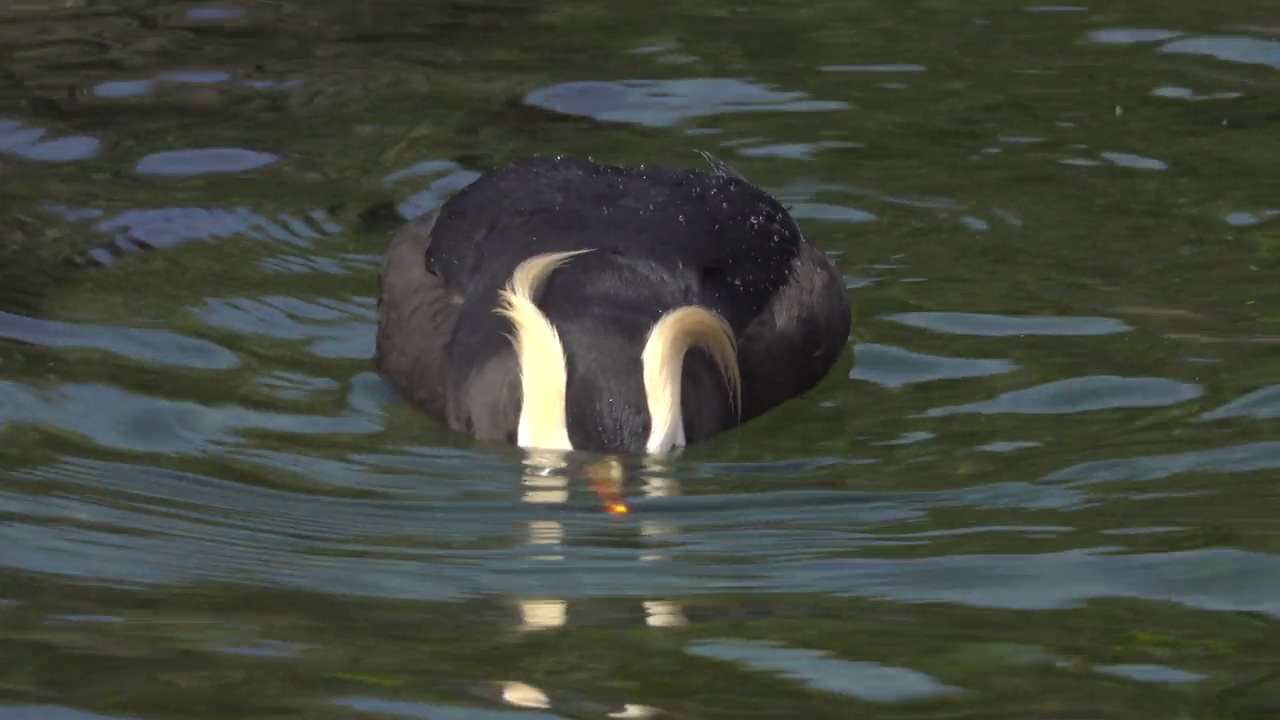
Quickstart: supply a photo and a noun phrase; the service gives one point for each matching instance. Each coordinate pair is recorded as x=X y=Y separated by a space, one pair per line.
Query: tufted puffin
x=563 y=304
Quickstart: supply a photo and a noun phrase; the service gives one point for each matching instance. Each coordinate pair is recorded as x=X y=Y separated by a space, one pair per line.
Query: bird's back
x=678 y=236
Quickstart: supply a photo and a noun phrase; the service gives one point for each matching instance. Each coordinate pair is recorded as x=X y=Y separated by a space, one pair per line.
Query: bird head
x=621 y=387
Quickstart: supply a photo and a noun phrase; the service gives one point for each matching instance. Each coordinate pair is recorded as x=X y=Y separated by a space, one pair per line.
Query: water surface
x=1040 y=483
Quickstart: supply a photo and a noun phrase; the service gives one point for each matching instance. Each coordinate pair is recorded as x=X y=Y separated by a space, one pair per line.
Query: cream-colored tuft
x=663 y=361
x=539 y=354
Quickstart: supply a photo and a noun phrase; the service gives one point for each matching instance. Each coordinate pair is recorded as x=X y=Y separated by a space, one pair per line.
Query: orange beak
x=606 y=482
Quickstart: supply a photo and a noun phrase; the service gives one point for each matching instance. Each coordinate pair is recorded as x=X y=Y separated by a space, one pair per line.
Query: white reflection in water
x=631 y=711
x=524 y=695
x=546 y=482
x=660 y=613
x=544 y=485
x=541 y=614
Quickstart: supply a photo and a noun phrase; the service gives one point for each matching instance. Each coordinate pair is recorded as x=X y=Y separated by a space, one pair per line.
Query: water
x=1041 y=483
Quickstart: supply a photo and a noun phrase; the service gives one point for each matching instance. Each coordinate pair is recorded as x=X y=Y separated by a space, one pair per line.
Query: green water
x=1042 y=482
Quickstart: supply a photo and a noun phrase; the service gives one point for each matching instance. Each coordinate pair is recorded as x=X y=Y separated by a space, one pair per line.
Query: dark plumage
x=657 y=239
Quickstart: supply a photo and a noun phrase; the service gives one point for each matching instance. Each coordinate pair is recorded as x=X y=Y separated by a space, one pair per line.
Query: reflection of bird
x=563 y=304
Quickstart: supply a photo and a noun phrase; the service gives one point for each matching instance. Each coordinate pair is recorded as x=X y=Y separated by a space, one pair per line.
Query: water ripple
x=113 y=417
x=260 y=504
x=49 y=712
x=1178 y=92
x=832 y=213
x=433 y=711
x=890 y=68
x=663 y=103
x=162 y=347
x=867 y=681
x=169 y=226
x=434 y=195
x=295 y=386
x=335 y=329
x=1137 y=162
x=1228 y=48
x=215 y=14
x=28 y=143
x=1150 y=673
x=1083 y=394
x=793 y=151
x=1261 y=404
x=204 y=161
x=1244 y=219
x=1129 y=36
x=1006 y=325
x=115 y=89
x=1239 y=458
x=895 y=367
x=1206 y=579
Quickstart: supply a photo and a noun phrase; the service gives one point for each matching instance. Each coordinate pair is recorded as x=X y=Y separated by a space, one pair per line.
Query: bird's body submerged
x=551 y=302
